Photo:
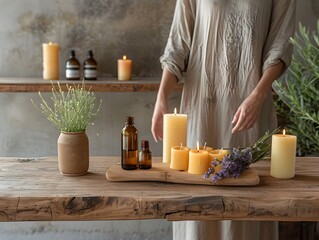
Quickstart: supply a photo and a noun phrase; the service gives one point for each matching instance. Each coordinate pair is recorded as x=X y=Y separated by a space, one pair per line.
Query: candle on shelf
x=50 y=61
x=198 y=161
x=179 y=157
x=174 y=133
x=219 y=155
x=283 y=155
x=124 y=69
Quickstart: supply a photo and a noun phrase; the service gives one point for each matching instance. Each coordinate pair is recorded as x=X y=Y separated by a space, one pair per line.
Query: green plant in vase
x=298 y=102
x=71 y=111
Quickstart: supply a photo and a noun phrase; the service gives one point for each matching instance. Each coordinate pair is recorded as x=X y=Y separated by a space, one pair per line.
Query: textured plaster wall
x=138 y=28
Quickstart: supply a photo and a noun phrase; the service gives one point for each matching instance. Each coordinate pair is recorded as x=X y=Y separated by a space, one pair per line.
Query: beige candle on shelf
x=283 y=155
x=179 y=158
x=198 y=161
x=50 y=61
x=124 y=69
x=174 y=133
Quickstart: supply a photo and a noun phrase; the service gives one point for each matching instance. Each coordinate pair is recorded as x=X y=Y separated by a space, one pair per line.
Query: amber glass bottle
x=90 y=67
x=72 y=67
x=145 y=156
x=129 y=145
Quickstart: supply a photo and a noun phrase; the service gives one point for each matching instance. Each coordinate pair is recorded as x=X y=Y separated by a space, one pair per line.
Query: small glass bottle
x=145 y=156
x=90 y=67
x=129 y=145
x=72 y=67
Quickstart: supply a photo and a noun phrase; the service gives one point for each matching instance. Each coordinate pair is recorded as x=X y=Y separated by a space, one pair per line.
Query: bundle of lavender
x=239 y=159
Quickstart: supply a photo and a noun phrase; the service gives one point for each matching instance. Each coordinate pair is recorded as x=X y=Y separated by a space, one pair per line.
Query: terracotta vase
x=73 y=153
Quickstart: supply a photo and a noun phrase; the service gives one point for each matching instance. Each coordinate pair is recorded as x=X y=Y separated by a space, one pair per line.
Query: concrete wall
x=138 y=28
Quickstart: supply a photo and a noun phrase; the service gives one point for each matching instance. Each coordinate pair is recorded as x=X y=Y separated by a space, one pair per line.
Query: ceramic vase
x=73 y=153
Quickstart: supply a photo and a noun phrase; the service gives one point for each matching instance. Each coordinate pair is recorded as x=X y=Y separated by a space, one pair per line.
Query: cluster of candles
x=51 y=63
x=197 y=161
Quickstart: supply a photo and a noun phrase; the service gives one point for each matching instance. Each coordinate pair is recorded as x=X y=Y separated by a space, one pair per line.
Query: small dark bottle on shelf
x=129 y=145
x=90 y=67
x=145 y=156
x=72 y=67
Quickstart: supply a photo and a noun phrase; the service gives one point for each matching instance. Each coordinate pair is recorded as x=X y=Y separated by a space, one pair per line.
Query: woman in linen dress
x=227 y=53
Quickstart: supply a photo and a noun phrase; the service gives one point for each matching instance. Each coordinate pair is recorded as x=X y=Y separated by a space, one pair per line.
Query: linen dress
x=220 y=48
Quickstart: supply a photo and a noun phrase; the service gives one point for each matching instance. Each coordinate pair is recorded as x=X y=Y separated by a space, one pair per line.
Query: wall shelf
x=10 y=84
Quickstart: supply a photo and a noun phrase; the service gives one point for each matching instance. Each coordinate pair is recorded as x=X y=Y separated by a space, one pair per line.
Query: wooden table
x=34 y=190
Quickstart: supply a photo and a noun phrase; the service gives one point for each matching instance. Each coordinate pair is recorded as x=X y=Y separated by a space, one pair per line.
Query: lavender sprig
x=239 y=159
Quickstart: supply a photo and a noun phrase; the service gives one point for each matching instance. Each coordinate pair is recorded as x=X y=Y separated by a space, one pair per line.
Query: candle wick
x=220 y=150
x=205 y=146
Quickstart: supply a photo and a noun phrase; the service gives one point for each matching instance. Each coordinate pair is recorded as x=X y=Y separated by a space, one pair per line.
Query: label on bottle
x=72 y=73
x=90 y=71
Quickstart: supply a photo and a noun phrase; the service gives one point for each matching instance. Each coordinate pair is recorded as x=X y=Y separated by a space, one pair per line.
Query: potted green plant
x=298 y=102
x=71 y=111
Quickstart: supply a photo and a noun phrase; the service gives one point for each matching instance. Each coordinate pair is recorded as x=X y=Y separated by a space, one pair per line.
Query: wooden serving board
x=160 y=172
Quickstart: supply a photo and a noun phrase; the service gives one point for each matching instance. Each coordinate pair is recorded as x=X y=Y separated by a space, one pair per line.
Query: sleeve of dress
x=175 y=57
x=282 y=27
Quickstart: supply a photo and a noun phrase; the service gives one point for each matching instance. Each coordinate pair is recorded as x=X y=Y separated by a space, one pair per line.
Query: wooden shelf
x=101 y=85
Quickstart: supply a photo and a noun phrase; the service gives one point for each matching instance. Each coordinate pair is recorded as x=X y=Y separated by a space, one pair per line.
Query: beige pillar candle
x=283 y=155
x=174 y=133
x=179 y=158
x=50 y=61
x=208 y=149
x=219 y=155
x=124 y=69
x=198 y=161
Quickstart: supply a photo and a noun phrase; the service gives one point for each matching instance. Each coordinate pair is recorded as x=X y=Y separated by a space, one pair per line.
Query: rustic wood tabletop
x=32 y=189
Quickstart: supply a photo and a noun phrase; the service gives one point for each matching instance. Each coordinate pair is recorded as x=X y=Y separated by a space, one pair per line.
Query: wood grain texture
x=100 y=85
x=161 y=172
x=34 y=190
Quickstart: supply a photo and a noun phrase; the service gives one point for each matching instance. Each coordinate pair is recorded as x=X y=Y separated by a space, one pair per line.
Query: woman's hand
x=157 y=119
x=247 y=113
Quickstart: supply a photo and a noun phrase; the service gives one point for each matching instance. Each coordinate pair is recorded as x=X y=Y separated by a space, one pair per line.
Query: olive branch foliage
x=298 y=91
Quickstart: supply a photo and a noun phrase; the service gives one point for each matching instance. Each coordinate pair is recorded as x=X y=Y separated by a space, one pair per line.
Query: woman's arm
x=168 y=83
x=249 y=111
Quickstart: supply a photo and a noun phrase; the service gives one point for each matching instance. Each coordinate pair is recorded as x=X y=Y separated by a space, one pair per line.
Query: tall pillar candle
x=174 y=133
x=124 y=69
x=283 y=155
x=50 y=61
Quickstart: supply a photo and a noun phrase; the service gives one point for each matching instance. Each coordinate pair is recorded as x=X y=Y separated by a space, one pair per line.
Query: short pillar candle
x=219 y=155
x=124 y=69
x=198 y=161
x=283 y=155
x=50 y=61
x=179 y=158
